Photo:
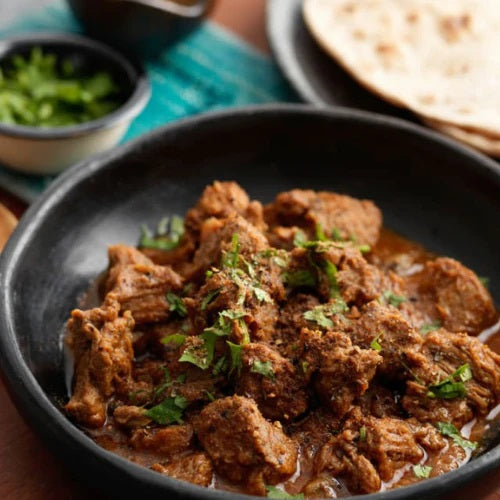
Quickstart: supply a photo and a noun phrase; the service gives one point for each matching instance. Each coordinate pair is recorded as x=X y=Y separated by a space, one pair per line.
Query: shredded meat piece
x=341 y=371
x=141 y=286
x=306 y=209
x=446 y=352
x=222 y=200
x=101 y=343
x=243 y=446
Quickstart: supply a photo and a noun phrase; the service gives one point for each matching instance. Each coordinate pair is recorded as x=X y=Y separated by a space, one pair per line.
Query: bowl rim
x=127 y=111
x=42 y=415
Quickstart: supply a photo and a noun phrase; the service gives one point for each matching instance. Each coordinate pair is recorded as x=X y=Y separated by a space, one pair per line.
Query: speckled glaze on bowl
x=429 y=189
x=50 y=150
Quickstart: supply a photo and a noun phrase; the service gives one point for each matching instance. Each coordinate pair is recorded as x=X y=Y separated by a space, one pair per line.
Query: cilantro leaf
x=209 y=297
x=231 y=258
x=166 y=239
x=447 y=429
x=169 y=411
x=331 y=273
x=235 y=353
x=452 y=386
x=318 y=314
x=300 y=239
x=200 y=354
x=176 y=338
x=320 y=235
x=393 y=299
x=362 y=434
x=299 y=278
x=422 y=471
x=261 y=295
x=430 y=327
x=273 y=492
x=375 y=344
x=264 y=368
x=176 y=304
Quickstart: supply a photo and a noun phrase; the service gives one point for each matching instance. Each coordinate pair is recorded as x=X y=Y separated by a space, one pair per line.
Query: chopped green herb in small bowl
x=62 y=99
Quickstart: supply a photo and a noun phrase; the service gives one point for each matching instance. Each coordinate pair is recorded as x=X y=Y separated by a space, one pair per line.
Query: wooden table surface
x=28 y=470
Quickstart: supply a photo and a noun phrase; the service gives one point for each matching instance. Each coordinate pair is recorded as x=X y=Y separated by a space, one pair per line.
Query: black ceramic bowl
x=430 y=189
x=49 y=150
x=140 y=26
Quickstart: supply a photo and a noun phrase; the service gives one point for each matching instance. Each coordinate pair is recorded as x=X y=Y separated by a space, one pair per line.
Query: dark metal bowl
x=141 y=26
x=429 y=188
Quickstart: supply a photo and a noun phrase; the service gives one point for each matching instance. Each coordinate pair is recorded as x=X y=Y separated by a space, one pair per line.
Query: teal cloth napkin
x=209 y=69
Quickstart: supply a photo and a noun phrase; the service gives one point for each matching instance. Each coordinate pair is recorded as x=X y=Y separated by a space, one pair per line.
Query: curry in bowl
x=293 y=350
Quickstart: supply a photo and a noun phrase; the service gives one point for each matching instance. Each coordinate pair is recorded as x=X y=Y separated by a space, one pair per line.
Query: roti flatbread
x=439 y=58
x=488 y=144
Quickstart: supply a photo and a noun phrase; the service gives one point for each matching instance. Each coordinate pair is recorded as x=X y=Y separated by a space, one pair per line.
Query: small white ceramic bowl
x=50 y=150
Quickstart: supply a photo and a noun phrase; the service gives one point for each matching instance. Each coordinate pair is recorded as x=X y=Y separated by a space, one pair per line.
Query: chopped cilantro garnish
x=362 y=434
x=168 y=240
x=430 y=327
x=169 y=411
x=452 y=386
x=485 y=281
x=375 y=344
x=220 y=366
x=318 y=314
x=447 y=429
x=336 y=236
x=320 y=235
x=176 y=338
x=261 y=295
x=273 y=492
x=299 y=278
x=364 y=248
x=300 y=239
x=331 y=273
x=231 y=258
x=280 y=261
x=393 y=299
x=264 y=368
x=235 y=353
x=209 y=297
x=305 y=366
x=176 y=304
x=422 y=471
x=210 y=396
x=200 y=354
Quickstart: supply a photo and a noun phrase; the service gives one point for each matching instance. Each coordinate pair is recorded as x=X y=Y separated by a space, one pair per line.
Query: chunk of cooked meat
x=196 y=468
x=131 y=416
x=334 y=271
x=347 y=217
x=217 y=238
x=222 y=200
x=164 y=441
x=341 y=371
x=229 y=290
x=141 y=287
x=272 y=382
x=244 y=447
x=101 y=343
x=446 y=352
x=371 y=449
x=394 y=334
x=447 y=292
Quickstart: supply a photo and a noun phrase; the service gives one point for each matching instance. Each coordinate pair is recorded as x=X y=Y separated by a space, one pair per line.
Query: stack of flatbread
x=438 y=58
